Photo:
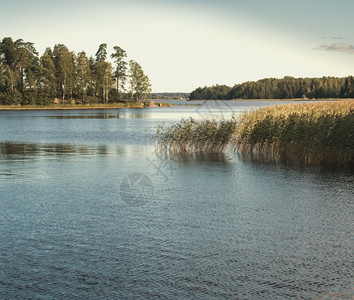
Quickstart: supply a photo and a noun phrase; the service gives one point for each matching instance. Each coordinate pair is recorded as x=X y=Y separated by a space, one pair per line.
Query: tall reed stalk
x=209 y=136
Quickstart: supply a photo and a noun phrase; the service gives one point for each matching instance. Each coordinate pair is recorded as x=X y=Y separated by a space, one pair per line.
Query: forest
x=285 y=88
x=66 y=77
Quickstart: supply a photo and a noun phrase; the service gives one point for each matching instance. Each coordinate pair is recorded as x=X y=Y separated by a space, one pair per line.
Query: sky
x=184 y=44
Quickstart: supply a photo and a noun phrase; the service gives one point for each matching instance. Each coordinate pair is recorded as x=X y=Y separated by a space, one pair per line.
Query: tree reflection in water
x=12 y=150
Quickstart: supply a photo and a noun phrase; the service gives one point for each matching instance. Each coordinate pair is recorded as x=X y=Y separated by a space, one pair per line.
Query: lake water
x=89 y=211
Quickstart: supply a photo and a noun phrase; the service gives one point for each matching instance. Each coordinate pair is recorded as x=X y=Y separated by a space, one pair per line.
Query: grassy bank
x=306 y=134
x=81 y=106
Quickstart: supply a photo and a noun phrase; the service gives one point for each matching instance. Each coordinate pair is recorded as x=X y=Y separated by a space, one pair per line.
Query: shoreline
x=81 y=107
x=292 y=99
x=156 y=104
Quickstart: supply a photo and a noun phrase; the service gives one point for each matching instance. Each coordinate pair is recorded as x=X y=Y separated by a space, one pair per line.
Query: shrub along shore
x=310 y=134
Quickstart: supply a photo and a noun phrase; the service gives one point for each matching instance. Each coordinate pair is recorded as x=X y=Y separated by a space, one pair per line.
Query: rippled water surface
x=89 y=211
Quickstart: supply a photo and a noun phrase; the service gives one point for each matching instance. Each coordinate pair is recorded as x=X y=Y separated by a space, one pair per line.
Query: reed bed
x=307 y=134
x=189 y=135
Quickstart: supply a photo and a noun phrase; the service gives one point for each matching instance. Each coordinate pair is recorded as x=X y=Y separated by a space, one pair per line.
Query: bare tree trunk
x=118 y=76
x=63 y=90
x=63 y=87
x=21 y=77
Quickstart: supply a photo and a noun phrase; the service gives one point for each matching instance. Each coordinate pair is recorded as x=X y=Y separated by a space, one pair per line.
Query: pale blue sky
x=189 y=43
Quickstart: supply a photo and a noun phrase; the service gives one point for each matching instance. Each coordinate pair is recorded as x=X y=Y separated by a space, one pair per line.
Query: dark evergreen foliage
x=285 y=88
x=27 y=79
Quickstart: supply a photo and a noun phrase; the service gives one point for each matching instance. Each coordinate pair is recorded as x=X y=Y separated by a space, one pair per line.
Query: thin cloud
x=337 y=47
x=332 y=38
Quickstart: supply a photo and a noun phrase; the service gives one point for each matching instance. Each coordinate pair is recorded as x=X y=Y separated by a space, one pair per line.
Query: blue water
x=89 y=211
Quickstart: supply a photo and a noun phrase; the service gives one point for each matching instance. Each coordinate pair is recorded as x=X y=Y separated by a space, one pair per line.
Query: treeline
x=285 y=88
x=27 y=78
